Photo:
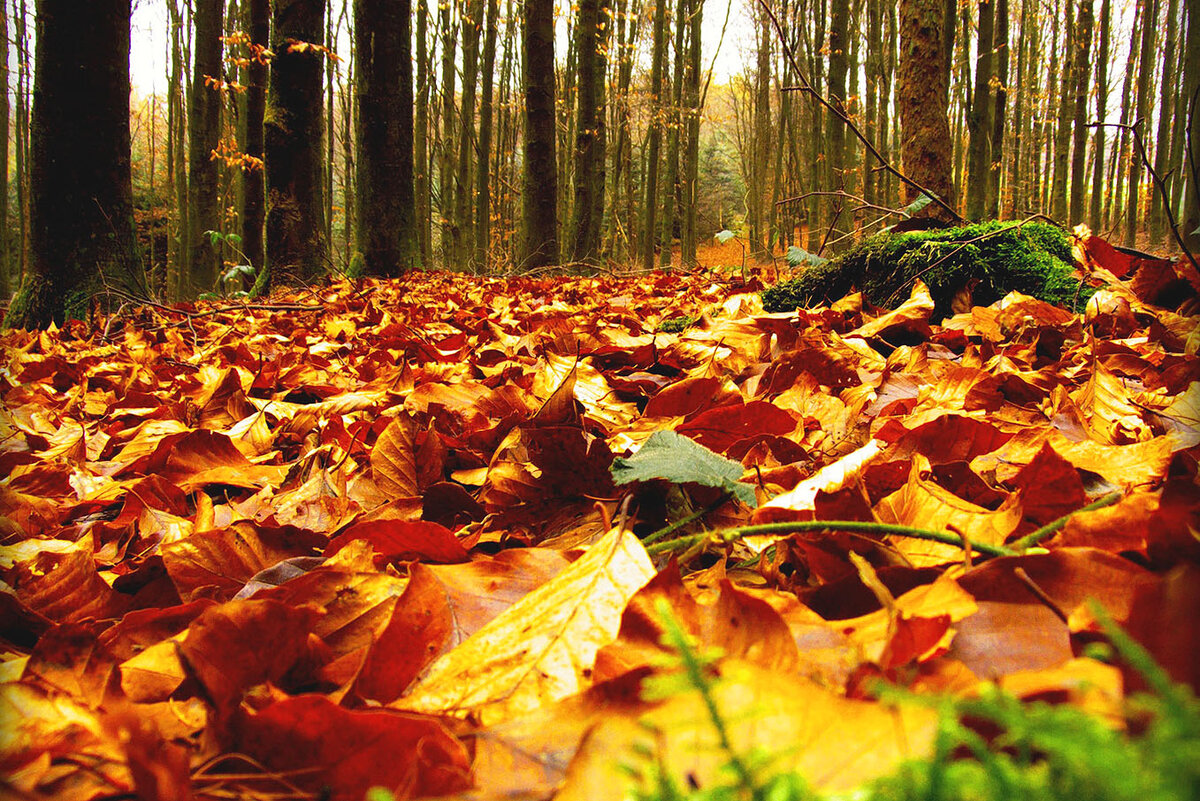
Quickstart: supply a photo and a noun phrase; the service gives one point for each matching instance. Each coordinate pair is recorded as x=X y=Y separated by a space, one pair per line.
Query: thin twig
x=1050 y=529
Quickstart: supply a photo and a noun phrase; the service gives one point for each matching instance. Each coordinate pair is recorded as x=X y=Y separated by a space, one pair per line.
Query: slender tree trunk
x=421 y=139
x=81 y=215
x=835 y=128
x=996 y=168
x=670 y=192
x=386 y=220
x=447 y=17
x=483 y=188
x=6 y=282
x=204 y=133
x=1064 y=120
x=654 y=136
x=922 y=94
x=1162 y=140
x=464 y=187
x=1120 y=161
x=1190 y=227
x=294 y=127
x=540 y=192
x=1081 y=69
x=979 y=118
x=1021 y=111
x=1094 y=206
x=691 y=156
x=1145 y=55
x=591 y=35
x=254 y=196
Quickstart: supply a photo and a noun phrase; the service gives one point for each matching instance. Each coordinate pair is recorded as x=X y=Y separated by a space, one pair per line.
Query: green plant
x=231 y=281
x=673 y=325
x=1038 y=751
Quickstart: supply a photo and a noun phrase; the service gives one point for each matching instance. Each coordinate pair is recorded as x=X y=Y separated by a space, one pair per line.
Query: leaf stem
x=1052 y=528
x=860 y=526
x=667 y=530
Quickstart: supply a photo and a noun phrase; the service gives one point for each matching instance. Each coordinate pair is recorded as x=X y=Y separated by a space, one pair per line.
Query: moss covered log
x=992 y=258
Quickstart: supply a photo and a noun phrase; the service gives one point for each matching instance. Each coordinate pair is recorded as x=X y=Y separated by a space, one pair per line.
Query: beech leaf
x=673 y=457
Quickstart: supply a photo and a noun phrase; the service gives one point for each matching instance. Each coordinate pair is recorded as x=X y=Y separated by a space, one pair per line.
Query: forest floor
x=438 y=534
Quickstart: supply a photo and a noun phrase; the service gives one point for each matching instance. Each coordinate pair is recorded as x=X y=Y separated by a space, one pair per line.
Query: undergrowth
x=993 y=258
x=1036 y=751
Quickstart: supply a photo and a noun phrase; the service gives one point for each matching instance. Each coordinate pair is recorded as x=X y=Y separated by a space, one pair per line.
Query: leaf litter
x=411 y=539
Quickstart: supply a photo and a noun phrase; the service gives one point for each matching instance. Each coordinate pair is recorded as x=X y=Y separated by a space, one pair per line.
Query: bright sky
x=148 y=58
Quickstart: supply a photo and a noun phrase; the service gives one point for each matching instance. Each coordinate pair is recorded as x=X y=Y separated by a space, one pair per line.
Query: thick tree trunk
x=296 y=246
x=979 y=117
x=204 y=134
x=1080 y=68
x=1064 y=120
x=81 y=214
x=1094 y=207
x=591 y=43
x=387 y=235
x=922 y=95
x=540 y=190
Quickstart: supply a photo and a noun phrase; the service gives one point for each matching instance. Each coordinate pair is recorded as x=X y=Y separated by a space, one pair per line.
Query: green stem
x=1050 y=529
x=693 y=517
x=859 y=526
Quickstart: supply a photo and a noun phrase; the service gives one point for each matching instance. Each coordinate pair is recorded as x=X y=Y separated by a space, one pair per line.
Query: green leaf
x=921 y=202
x=673 y=457
x=234 y=239
x=214 y=237
x=797 y=256
x=724 y=236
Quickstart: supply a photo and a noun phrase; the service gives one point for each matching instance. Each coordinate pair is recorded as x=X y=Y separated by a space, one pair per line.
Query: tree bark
x=81 y=214
x=254 y=196
x=691 y=155
x=979 y=118
x=294 y=129
x=1094 y=206
x=387 y=235
x=1064 y=120
x=835 y=128
x=654 y=136
x=1190 y=227
x=483 y=187
x=1081 y=67
x=540 y=192
x=462 y=234
x=1145 y=54
x=1162 y=140
x=204 y=134
x=922 y=94
x=421 y=140
x=591 y=43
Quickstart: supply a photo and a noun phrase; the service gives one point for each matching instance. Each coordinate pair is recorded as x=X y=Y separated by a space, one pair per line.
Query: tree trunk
x=447 y=18
x=204 y=134
x=294 y=127
x=483 y=187
x=835 y=127
x=922 y=95
x=1120 y=165
x=1162 y=140
x=996 y=168
x=1190 y=227
x=1081 y=68
x=6 y=282
x=464 y=189
x=1094 y=207
x=540 y=190
x=421 y=140
x=1145 y=55
x=254 y=196
x=81 y=215
x=386 y=220
x=1064 y=119
x=691 y=155
x=979 y=118
x=591 y=43
x=654 y=143
x=670 y=192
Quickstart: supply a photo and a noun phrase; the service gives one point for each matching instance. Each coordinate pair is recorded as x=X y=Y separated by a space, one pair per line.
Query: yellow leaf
x=542 y=648
x=394 y=460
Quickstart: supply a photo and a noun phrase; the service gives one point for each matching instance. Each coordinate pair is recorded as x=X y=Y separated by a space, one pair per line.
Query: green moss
x=673 y=325
x=996 y=258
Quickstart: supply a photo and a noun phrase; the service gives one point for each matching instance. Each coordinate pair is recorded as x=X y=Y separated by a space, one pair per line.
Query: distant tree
x=204 y=134
x=483 y=177
x=835 y=129
x=387 y=234
x=1000 y=42
x=1095 y=205
x=1081 y=67
x=926 y=147
x=658 y=59
x=1191 y=165
x=294 y=124
x=5 y=262
x=1133 y=209
x=81 y=210
x=540 y=186
x=979 y=117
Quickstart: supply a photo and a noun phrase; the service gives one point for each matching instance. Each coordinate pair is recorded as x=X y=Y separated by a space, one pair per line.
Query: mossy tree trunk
x=926 y=148
x=81 y=208
x=386 y=220
x=294 y=134
x=204 y=134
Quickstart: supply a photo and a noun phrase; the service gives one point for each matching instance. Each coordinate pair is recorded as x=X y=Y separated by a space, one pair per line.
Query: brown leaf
x=393 y=459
